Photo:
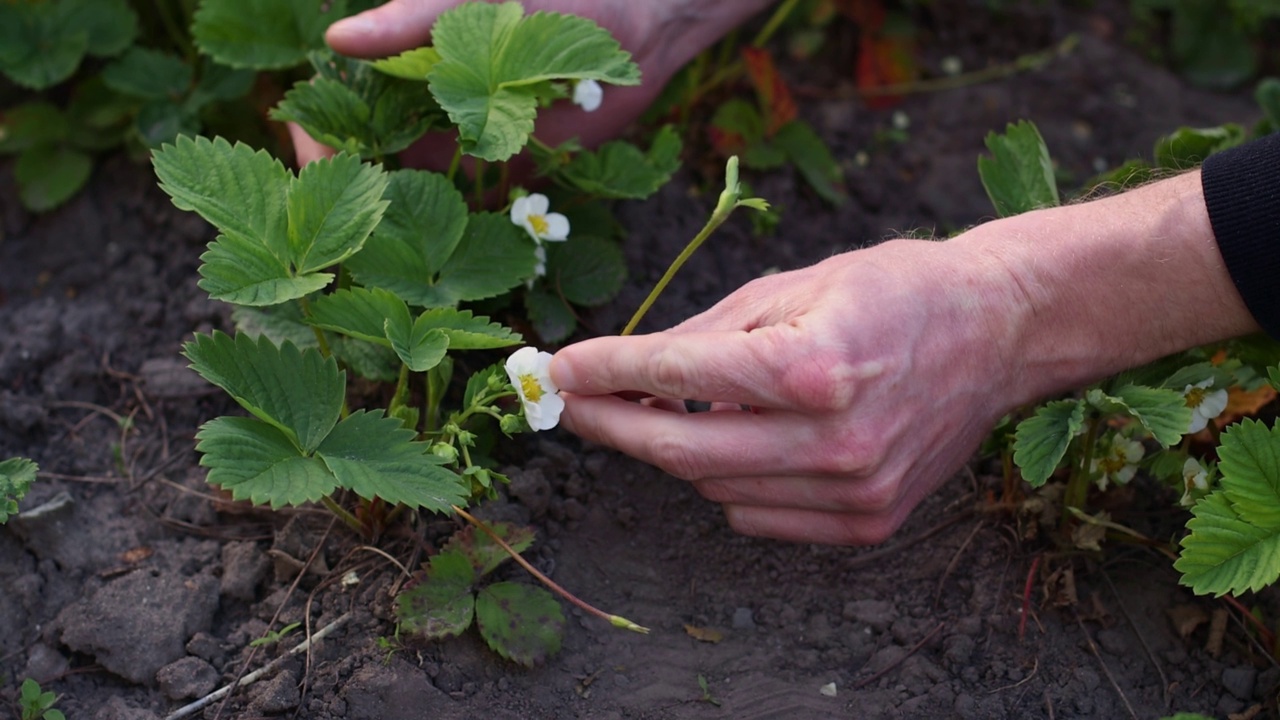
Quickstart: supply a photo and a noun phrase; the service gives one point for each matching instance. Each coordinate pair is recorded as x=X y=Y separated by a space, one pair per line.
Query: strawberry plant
x=16 y=476
x=1146 y=418
x=346 y=268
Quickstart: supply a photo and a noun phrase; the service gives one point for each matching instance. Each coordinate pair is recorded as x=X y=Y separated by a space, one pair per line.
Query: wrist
x=1091 y=289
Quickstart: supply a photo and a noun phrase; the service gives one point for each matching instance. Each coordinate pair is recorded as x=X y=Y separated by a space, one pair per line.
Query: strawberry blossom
x=528 y=369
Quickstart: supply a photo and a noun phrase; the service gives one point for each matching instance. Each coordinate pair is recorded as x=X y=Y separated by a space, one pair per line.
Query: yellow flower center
x=539 y=223
x=1112 y=464
x=531 y=388
x=1195 y=396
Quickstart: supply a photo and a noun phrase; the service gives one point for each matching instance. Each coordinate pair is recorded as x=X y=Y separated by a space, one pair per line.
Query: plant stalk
x=1078 y=485
x=775 y=21
x=614 y=620
x=346 y=517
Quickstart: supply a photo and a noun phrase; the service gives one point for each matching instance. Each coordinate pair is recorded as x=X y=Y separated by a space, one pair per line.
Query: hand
x=870 y=378
x=661 y=35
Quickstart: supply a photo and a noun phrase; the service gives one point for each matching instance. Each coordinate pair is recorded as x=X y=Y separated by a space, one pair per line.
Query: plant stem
x=1078 y=485
x=615 y=620
x=171 y=26
x=775 y=21
x=454 y=163
x=321 y=341
x=346 y=517
x=479 y=184
x=1031 y=61
x=717 y=219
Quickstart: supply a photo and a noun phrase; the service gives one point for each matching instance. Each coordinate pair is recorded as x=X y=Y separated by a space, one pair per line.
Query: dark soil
x=130 y=588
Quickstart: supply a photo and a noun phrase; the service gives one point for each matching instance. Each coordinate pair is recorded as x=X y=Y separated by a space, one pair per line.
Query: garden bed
x=136 y=588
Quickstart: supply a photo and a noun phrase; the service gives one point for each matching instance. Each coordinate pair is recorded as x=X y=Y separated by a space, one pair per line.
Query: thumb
x=386 y=30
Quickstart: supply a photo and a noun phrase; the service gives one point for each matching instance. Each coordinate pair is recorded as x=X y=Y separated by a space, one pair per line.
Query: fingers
x=813 y=526
x=386 y=30
x=305 y=147
x=724 y=443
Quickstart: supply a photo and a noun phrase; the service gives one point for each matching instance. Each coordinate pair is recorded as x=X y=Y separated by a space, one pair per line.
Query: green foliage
x=38 y=704
x=263 y=34
x=42 y=43
x=49 y=175
x=1162 y=413
x=278 y=230
x=1188 y=147
x=493 y=58
x=520 y=622
x=794 y=142
x=1041 y=441
x=619 y=170
x=1019 y=175
x=16 y=476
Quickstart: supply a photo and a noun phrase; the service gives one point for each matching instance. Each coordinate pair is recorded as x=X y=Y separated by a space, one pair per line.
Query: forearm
x=1098 y=287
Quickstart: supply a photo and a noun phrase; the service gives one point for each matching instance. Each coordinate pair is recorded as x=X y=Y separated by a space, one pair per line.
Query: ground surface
x=133 y=590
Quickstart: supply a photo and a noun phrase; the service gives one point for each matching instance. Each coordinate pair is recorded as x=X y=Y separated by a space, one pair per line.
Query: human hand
x=870 y=377
x=661 y=36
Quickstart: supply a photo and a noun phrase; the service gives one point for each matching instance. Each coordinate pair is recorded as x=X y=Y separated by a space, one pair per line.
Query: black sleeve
x=1242 y=192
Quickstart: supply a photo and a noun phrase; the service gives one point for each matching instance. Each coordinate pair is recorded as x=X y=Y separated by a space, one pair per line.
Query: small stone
x=829 y=689
x=189 y=677
x=278 y=694
x=207 y=648
x=44 y=663
x=1240 y=681
x=244 y=566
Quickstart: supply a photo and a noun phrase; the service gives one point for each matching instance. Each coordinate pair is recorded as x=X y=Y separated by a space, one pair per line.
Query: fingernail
x=562 y=374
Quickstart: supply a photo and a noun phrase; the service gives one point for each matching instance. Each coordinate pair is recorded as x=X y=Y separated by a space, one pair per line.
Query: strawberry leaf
x=1019 y=175
x=263 y=34
x=334 y=204
x=620 y=170
x=520 y=622
x=16 y=476
x=258 y=462
x=442 y=605
x=1249 y=459
x=1224 y=553
x=482 y=552
x=48 y=175
x=586 y=270
x=1041 y=441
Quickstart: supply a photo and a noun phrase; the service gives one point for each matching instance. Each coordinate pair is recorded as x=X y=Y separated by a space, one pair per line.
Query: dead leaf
x=1186 y=618
x=707 y=635
x=1060 y=588
x=775 y=97
x=1244 y=403
x=136 y=555
x=1247 y=714
x=1088 y=536
x=1217 y=632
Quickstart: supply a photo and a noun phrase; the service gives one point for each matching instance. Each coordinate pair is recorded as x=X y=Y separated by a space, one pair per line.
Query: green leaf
x=149 y=74
x=376 y=457
x=493 y=257
x=242 y=272
x=1162 y=412
x=374 y=362
x=490 y=56
x=409 y=65
x=482 y=552
x=41 y=44
x=1019 y=177
x=298 y=392
x=520 y=622
x=358 y=312
x=30 y=125
x=811 y=156
x=333 y=206
x=257 y=462
x=1267 y=95
x=442 y=605
x=351 y=107
x=552 y=319
x=263 y=34
x=219 y=82
x=1249 y=460
x=586 y=270
x=163 y=121
x=419 y=346
x=111 y=25
x=1224 y=553
x=240 y=191
x=1041 y=441
x=48 y=175
x=466 y=332
x=620 y=170
x=480 y=381
x=1209 y=47
x=16 y=477
x=1188 y=147
x=278 y=324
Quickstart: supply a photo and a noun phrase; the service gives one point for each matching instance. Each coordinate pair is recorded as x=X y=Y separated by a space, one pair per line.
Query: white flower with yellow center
x=530 y=213
x=528 y=368
x=588 y=95
x=1119 y=462
x=1195 y=479
x=1205 y=404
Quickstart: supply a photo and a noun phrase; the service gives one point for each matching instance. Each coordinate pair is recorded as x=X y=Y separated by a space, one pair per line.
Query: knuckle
x=876 y=497
x=819 y=382
x=671 y=372
x=861 y=531
x=847 y=454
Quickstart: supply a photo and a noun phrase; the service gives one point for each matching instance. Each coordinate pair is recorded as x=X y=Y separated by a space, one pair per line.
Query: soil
x=131 y=589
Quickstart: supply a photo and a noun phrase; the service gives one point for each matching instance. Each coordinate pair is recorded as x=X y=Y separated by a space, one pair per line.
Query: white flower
x=1204 y=405
x=530 y=213
x=1195 y=478
x=528 y=370
x=540 y=253
x=588 y=94
x=1119 y=462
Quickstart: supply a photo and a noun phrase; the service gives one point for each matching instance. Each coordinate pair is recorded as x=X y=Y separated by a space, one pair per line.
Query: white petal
x=545 y=414
x=1198 y=422
x=520 y=210
x=557 y=227
x=537 y=203
x=588 y=94
x=1213 y=404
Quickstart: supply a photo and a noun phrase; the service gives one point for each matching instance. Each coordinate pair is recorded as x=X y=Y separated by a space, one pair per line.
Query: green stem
x=454 y=163
x=775 y=21
x=174 y=30
x=717 y=219
x=479 y=184
x=1078 y=484
x=1032 y=61
x=321 y=341
x=342 y=513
